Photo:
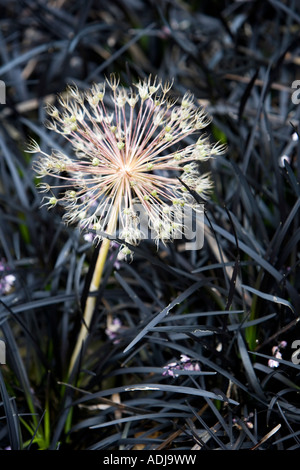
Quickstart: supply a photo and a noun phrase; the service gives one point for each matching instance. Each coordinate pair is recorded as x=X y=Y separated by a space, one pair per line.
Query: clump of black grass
x=186 y=347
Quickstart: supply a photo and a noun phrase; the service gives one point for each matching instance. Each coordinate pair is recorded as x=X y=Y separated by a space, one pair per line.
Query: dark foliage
x=224 y=306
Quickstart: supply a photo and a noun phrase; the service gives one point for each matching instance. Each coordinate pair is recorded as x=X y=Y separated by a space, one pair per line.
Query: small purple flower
x=277 y=354
x=184 y=358
x=168 y=371
x=113 y=247
x=113 y=326
x=89 y=237
x=185 y=363
x=272 y=363
x=6 y=280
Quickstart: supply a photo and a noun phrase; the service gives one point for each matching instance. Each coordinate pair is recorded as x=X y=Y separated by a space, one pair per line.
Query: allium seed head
x=126 y=148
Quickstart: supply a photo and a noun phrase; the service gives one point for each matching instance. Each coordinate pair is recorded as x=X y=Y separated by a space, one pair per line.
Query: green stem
x=96 y=279
x=251 y=331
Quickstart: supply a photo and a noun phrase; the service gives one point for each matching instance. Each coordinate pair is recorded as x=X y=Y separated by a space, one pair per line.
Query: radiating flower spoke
x=126 y=152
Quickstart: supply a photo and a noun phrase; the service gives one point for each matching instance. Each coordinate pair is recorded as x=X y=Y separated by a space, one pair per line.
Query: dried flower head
x=128 y=148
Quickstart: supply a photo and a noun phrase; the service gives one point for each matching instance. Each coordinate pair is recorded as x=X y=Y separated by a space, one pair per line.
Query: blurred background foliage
x=230 y=304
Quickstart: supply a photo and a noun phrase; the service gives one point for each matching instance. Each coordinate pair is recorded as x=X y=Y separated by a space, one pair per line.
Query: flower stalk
x=128 y=148
x=94 y=286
